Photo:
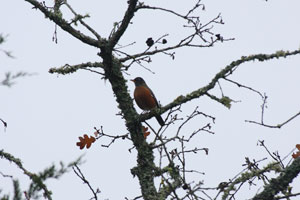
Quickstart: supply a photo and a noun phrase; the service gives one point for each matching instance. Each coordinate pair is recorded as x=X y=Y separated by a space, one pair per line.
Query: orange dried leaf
x=81 y=143
x=85 y=141
x=296 y=155
x=145 y=132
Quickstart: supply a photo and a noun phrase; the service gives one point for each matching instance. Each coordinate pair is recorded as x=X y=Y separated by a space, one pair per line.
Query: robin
x=145 y=98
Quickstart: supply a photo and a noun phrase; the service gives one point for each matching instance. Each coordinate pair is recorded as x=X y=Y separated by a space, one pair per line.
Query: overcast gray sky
x=46 y=113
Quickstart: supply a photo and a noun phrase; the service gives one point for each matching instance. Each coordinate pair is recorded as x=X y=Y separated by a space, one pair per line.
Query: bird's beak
x=132 y=80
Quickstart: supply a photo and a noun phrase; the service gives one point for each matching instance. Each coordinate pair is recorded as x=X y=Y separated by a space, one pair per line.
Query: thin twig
x=275 y=126
x=6 y=176
x=244 y=86
x=78 y=172
x=100 y=133
x=66 y=26
x=82 y=22
x=4 y=123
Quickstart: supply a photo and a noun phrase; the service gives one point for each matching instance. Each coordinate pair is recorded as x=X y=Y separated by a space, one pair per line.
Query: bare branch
x=2 y=40
x=78 y=172
x=244 y=86
x=82 y=22
x=184 y=42
x=4 y=123
x=62 y=23
x=100 y=133
x=6 y=176
x=10 y=77
x=200 y=31
x=274 y=126
x=135 y=198
x=262 y=143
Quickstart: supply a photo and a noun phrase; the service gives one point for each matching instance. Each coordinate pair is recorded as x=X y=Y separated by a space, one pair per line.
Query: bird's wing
x=152 y=94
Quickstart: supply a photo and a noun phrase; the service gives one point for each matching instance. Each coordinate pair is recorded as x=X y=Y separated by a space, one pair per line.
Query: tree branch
x=224 y=73
x=68 y=69
x=274 y=126
x=200 y=31
x=4 y=123
x=35 y=178
x=280 y=183
x=62 y=23
x=182 y=43
x=78 y=172
x=115 y=37
x=79 y=17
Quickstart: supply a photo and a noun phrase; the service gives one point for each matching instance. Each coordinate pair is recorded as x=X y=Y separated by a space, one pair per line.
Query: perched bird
x=145 y=98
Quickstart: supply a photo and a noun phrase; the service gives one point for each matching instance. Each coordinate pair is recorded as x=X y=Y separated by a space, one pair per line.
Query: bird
x=145 y=99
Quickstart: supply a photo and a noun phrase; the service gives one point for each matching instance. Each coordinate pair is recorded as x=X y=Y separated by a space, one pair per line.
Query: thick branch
x=280 y=183
x=145 y=157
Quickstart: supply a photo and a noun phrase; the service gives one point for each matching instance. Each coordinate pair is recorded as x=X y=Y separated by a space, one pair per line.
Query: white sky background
x=46 y=113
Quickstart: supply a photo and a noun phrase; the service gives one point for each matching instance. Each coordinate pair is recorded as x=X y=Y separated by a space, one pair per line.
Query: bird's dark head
x=138 y=81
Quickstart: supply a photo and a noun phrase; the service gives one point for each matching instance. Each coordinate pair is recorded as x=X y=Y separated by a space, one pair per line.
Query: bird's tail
x=160 y=120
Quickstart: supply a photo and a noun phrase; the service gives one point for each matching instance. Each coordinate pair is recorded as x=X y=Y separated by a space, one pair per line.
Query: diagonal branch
x=37 y=180
x=228 y=70
x=82 y=22
x=4 y=122
x=280 y=183
x=115 y=37
x=78 y=172
x=62 y=23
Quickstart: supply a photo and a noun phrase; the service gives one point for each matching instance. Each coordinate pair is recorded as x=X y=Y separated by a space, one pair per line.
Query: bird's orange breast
x=144 y=98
